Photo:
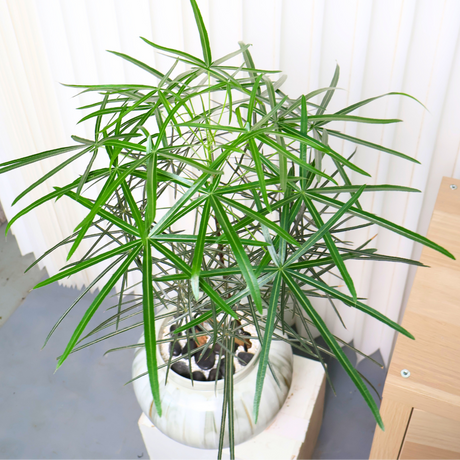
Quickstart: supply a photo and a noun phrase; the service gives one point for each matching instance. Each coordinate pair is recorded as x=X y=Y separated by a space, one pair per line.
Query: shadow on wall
x=2 y=215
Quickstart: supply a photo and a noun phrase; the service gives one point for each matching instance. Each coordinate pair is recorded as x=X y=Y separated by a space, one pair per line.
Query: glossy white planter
x=192 y=414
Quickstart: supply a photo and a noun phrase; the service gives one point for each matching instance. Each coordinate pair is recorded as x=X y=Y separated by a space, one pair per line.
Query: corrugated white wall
x=380 y=45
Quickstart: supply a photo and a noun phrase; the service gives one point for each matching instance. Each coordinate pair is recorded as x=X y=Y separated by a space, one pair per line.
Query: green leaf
x=40 y=201
x=19 y=162
x=95 y=305
x=135 y=211
x=329 y=93
x=83 y=293
x=103 y=197
x=84 y=177
x=333 y=251
x=102 y=213
x=229 y=302
x=187 y=56
x=359 y=104
x=49 y=174
x=86 y=224
x=229 y=56
x=203 y=33
x=151 y=185
x=149 y=325
x=205 y=287
x=382 y=223
x=248 y=61
x=189 y=161
x=303 y=145
x=252 y=99
x=295 y=135
x=238 y=251
x=212 y=126
x=165 y=221
x=333 y=345
x=231 y=189
x=260 y=172
x=267 y=140
x=82 y=265
x=372 y=145
x=265 y=348
x=272 y=114
x=136 y=62
x=342 y=117
x=181 y=238
x=369 y=188
x=199 y=248
x=259 y=216
x=248 y=220
x=324 y=229
x=350 y=302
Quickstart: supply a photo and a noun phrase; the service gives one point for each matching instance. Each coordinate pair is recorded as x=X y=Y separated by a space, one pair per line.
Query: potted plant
x=252 y=223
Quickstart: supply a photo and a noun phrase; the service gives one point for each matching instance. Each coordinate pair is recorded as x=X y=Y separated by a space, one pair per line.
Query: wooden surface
x=396 y=418
x=294 y=431
x=433 y=317
x=431 y=436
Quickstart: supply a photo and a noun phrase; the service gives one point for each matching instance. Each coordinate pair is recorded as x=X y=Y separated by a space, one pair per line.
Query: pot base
x=192 y=413
x=292 y=434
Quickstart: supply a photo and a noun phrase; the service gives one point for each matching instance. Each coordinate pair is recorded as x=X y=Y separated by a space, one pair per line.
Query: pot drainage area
x=84 y=410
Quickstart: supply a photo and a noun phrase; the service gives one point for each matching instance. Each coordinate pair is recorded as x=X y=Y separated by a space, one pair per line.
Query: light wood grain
x=417 y=452
x=431 y=436
x=387 y=444
x=434 y=431
x=433 y=317
x=431 y=356
x=423 y=397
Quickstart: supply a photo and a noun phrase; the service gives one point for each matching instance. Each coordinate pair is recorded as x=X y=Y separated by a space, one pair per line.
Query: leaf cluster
x=259 y=204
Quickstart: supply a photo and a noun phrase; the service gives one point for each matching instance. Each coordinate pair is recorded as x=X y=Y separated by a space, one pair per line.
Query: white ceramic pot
x=192 y=413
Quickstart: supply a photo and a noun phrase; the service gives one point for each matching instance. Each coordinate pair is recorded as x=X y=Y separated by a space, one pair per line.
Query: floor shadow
x=348 y=424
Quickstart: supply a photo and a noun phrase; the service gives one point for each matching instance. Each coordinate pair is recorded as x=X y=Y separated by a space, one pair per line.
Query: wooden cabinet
x=431 y=436
x=421 y=412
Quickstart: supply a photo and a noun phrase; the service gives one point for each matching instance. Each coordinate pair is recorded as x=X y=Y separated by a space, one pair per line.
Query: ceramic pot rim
x=203 y=386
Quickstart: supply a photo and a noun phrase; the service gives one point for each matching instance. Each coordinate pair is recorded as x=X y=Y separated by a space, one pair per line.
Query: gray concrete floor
x=348 y=424
x=84 y=410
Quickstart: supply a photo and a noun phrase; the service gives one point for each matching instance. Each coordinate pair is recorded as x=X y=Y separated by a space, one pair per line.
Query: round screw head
x=405 y=373
x=453 y=187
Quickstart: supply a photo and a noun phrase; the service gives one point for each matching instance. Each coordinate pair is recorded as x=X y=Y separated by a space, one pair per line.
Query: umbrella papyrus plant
x=225 y=195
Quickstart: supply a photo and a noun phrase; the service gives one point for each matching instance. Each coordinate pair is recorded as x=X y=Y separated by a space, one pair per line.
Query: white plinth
x=292 y=435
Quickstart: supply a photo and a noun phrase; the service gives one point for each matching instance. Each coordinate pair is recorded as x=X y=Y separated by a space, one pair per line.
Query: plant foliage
x=256 y=216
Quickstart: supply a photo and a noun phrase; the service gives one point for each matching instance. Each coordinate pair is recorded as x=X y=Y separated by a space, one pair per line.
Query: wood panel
x=388 y=443
x=433 y=317
x=429 y=359
x=422 y=396
x=417 y=452
x=430 y=436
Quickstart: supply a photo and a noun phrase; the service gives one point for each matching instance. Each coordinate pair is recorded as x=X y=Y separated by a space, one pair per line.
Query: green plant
x=244 y=163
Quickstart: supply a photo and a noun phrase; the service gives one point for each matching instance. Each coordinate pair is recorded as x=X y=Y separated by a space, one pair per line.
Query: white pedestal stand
x=292 y=435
